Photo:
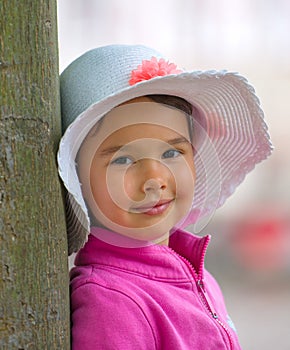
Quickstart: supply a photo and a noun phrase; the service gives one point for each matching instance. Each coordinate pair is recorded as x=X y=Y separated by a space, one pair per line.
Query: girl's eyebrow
x=177 y=140
x=111 y=150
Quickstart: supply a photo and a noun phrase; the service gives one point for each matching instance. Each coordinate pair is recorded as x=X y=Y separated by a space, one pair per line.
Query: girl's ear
x=93 y=221
x=76 y=232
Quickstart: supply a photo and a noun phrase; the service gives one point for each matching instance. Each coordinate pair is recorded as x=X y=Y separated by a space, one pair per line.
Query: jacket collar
x=154 y=261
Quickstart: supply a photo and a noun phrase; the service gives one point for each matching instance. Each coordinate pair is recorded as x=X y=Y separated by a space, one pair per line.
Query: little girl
x=149 y=149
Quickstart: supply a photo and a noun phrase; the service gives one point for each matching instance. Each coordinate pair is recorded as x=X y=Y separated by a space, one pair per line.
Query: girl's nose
x=154 y=185
x=155 y=175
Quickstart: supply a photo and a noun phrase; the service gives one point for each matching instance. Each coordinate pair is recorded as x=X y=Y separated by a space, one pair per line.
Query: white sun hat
x=227 y=119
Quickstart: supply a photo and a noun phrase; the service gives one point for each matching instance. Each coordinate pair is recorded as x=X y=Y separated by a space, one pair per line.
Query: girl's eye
x=122 y=161
x=171 y=153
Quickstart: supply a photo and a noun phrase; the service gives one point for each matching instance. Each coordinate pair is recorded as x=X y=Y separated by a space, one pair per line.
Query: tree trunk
x=34 y=310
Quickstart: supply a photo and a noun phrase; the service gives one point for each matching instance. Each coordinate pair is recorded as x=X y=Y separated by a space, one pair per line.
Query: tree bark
x=34 y=310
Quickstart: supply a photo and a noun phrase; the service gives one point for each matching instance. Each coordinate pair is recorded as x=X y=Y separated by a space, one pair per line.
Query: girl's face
x=137 y=170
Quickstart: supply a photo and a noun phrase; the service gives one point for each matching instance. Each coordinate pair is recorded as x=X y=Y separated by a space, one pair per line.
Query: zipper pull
x=206 y=299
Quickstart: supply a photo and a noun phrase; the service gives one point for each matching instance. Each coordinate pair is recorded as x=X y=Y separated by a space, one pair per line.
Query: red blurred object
x=261 y=239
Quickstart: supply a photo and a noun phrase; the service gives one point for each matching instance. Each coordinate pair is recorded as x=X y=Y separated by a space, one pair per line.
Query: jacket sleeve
x=104 y=318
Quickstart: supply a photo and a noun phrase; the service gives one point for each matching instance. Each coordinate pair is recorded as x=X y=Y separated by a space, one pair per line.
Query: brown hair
x=172 y=101
x=179 y=103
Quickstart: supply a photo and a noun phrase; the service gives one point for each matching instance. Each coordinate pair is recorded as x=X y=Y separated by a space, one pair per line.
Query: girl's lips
x=157 y=209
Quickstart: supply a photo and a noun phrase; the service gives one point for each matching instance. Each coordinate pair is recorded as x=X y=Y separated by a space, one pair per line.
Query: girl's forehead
x=145 y=135
x=141 y=113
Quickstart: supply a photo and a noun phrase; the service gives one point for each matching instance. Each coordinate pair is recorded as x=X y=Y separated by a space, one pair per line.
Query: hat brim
x=230 y=115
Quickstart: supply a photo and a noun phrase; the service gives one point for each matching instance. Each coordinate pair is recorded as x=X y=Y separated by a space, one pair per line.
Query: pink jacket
x=155 y=297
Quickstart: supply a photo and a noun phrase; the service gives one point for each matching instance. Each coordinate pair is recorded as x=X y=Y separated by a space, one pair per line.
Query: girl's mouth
x=155 y=208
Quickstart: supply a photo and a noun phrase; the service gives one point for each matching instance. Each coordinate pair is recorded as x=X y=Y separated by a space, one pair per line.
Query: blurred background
x=250 y=250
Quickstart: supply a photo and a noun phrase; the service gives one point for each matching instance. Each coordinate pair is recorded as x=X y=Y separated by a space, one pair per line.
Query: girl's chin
x=144 y=227
x=131 y=238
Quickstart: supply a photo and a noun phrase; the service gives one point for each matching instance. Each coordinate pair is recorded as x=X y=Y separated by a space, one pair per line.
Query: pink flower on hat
x=152 y=68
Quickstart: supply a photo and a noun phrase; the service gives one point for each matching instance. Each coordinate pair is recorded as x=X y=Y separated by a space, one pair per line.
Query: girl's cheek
x=130 y=186
x=185 y=181
x=121 y=187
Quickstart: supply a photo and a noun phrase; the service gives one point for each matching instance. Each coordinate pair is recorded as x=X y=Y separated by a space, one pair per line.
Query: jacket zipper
x=205 y=299
x=210 y=308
